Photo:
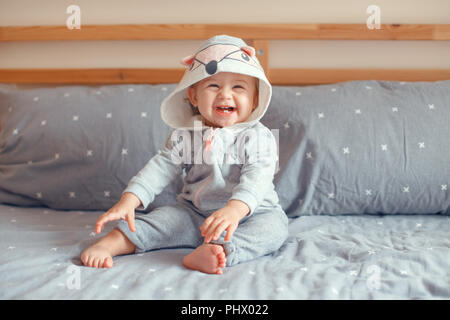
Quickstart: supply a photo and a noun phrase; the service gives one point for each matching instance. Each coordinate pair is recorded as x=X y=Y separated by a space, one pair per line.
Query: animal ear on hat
x=250 y=51
x=186 y=61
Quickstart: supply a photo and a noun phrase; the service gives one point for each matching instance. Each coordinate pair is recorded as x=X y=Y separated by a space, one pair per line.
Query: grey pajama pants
x=178 y=226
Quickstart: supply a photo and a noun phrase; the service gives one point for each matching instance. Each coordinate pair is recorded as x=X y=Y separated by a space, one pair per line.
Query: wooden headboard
x=257 y=35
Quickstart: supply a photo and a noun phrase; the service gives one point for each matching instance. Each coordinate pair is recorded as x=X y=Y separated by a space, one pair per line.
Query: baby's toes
x=88 y=261
x=217 y=250
x=96 y=262
x=222 y=263
x=100 y=262
x=83 y=258
x=221 y=258
x=108 y=262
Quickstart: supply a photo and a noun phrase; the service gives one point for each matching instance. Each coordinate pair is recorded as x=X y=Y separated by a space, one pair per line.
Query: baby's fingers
x=218 y=230
x=230 y=231
x=105 y=218
x=208 y=228
x=130 y=220
x=204 y=227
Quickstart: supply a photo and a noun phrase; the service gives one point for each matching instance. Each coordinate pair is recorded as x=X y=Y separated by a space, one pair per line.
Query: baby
x=227 y=210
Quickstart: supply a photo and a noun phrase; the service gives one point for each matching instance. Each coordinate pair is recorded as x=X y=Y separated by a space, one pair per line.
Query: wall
x=300 y=54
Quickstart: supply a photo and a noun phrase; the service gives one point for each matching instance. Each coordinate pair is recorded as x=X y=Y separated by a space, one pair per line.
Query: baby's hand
x=226 y=218
x=124 y=209
x=116 y=213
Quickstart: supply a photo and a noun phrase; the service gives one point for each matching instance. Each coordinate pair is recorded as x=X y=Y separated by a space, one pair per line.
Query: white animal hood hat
x=218 y=54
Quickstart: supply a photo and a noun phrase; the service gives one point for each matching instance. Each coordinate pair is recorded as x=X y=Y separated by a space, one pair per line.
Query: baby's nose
x=225 y=92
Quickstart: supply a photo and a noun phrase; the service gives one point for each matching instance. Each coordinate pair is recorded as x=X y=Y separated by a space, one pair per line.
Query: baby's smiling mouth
x=226 y=109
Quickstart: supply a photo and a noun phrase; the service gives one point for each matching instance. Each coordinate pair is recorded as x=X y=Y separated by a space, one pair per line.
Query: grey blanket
x=325 y=257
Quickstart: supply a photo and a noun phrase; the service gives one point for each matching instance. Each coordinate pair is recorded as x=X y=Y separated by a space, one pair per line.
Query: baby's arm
x=259 y=169
x=158 y=173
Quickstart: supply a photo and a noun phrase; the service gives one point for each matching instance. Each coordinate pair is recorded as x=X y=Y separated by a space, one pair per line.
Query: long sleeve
x=257 y=173
x=158 y=173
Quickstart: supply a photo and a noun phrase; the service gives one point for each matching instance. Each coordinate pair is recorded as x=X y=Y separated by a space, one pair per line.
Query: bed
x=363 y=174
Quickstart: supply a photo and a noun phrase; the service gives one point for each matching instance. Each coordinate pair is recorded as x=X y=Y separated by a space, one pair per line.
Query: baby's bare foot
x=97 y=256
x=100 y=254
x=208 y=258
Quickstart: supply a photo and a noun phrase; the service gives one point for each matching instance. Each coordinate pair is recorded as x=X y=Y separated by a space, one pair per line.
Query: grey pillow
x=363 y=147
x=77 y=147
x=350 y=148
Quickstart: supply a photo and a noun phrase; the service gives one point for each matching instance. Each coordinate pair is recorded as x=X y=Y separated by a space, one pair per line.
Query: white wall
x=301 y=54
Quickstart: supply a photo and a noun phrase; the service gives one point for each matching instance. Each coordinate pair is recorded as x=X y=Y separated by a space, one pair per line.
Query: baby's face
x=225 y=98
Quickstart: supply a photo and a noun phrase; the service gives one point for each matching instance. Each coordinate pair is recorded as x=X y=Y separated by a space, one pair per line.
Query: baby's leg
x=172 y=226
x=100 y=254
x=176 y=226
x=260 y=234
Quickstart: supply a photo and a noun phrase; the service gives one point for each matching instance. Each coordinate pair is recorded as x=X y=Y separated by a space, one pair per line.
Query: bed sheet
x=325 y=257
